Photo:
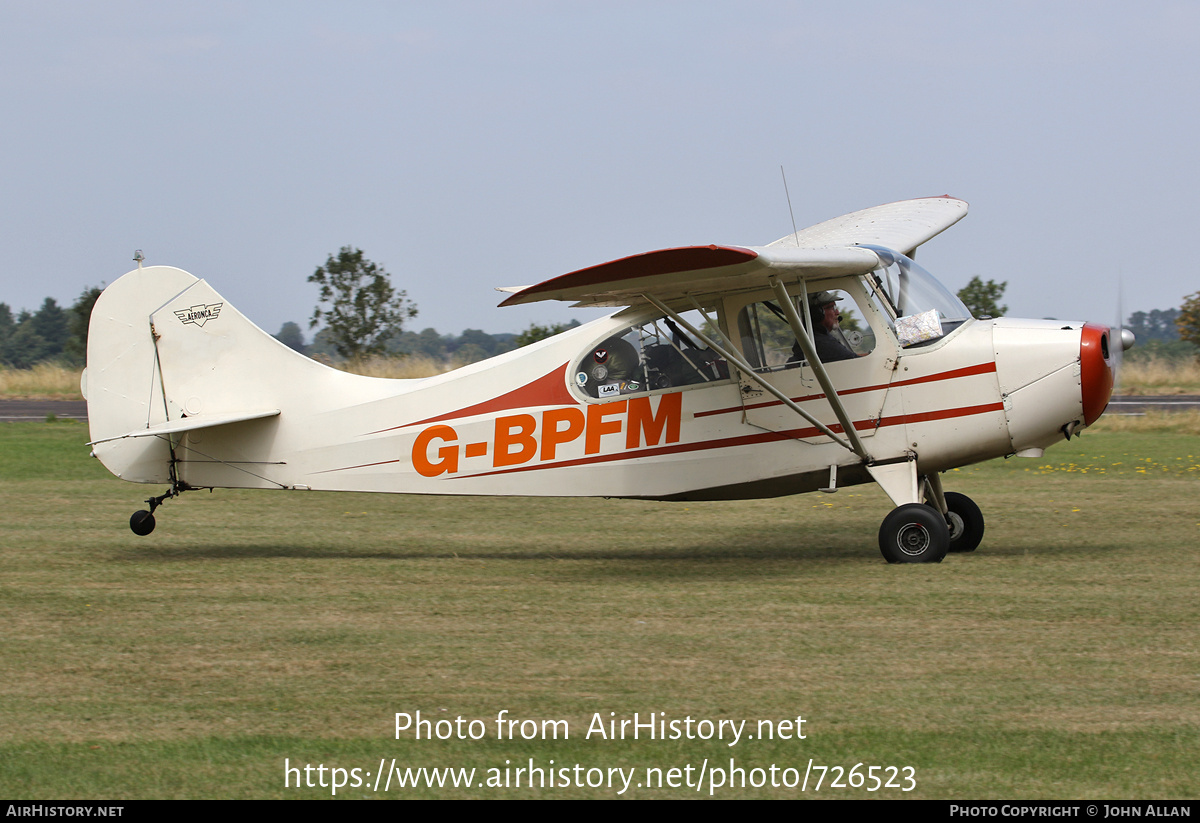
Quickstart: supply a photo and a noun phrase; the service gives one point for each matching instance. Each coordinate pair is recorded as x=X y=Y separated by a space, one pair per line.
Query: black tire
x=914 y=533
x=141 y=523
x=965 y=522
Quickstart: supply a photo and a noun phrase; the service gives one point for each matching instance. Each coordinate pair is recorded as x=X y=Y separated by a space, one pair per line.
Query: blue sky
x=470 y=145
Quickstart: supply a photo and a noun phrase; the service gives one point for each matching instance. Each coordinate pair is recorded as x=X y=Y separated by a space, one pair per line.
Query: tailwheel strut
x=141 y=522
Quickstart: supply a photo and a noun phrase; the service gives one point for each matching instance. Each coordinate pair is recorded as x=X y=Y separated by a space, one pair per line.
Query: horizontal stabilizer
x=186 y=424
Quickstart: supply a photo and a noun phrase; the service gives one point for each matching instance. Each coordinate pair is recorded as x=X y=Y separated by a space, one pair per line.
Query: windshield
x=919 y=307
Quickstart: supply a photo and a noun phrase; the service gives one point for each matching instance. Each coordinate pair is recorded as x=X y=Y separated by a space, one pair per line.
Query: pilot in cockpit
x=827 y=335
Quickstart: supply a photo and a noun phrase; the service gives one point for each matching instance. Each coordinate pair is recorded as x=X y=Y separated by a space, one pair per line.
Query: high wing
x=898 y=226
x=826 y=250
x=697 y=270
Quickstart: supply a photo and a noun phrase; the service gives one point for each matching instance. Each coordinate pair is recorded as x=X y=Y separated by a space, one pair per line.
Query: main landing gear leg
x=912 y=532
x=965 y=521
x=963 y=517
x=927 y=521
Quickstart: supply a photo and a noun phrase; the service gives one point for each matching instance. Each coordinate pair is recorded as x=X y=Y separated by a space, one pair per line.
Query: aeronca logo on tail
x=199 y=314
x=519 y=439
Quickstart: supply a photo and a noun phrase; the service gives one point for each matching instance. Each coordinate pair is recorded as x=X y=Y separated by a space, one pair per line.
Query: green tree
x=25 y=348
x=984 y=298
x=51 y=324
x=481 y=340
x=535 y=332
x=79 y=317
x=321 y=347
x=430 y=344
x=469 y=353
x=291 y=336
x=1157 y=324
x=358 y=304
x=1188 y=319
x=7 y=327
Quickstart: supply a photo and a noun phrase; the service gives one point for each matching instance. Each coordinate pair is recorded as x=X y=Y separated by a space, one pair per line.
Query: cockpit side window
x=648 y=356
x=839 y=331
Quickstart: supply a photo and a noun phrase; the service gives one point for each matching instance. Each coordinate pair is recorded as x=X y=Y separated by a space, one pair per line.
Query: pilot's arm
x=830 y=349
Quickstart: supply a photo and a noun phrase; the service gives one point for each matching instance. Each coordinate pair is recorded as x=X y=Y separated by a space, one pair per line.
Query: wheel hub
x=912 y=539
x=956 y=524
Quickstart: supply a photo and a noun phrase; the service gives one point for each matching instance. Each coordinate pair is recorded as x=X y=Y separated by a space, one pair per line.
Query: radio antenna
x=795 y=231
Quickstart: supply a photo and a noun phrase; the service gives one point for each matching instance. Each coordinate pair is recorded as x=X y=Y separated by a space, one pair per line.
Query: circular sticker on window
x=581 y=379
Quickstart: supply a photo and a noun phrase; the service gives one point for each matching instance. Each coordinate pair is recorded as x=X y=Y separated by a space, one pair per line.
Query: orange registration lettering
x=644 y=421
x=514 y=441
x=554 y=433
x=447 y=456
x=598 y=426
x=516 y=438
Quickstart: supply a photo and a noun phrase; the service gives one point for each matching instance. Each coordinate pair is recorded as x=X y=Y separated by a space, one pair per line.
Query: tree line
x=59 y=335
x=51 y=333
x=470 y=346
x=1167 y=333
x=364 y=315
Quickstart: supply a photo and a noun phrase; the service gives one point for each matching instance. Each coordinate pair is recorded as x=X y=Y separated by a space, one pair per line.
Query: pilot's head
x=823 y=308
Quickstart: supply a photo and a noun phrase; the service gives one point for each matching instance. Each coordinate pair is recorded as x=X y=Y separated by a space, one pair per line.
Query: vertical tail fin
x=166 y=356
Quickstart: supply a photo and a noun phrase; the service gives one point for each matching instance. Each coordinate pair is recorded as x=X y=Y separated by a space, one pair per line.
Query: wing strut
x=810 y=353
x=748 y=370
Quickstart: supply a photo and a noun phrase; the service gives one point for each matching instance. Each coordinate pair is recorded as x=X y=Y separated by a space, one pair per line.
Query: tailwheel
x=141 y=523
x=914 y=533
x=965 y=521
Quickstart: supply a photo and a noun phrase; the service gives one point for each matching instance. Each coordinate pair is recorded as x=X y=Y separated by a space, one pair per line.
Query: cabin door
x=859 y=359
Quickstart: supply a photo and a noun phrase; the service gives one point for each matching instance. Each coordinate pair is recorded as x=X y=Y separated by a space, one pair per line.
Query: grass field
x=1061 y=660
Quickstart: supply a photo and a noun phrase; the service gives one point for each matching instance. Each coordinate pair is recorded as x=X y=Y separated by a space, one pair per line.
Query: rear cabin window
x=645 y=357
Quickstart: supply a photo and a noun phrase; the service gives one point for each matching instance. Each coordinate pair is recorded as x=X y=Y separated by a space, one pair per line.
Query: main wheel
x=965 y=521
x=141 y=523
x=914 y=533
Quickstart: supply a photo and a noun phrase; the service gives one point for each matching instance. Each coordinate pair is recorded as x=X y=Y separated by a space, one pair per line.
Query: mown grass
x=1060 y=660
x=1150 y=422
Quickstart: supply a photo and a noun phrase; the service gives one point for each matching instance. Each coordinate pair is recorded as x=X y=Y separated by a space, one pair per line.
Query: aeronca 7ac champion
x=823 y=360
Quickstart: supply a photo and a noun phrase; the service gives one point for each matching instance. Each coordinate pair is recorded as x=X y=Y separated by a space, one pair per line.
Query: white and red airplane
x=823 y=360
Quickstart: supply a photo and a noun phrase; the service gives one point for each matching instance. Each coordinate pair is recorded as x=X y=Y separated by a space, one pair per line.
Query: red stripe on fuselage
x=548 y=390
x=967 y=371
